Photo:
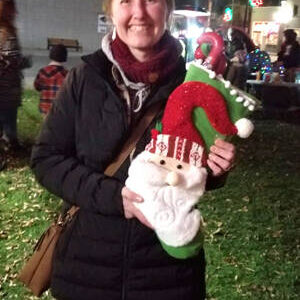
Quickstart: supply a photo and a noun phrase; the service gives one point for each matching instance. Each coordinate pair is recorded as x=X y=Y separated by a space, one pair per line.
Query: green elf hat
x=239 y=105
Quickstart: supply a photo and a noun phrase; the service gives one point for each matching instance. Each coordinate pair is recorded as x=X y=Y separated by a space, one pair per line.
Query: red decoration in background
x=256 y=3
x=216 y=59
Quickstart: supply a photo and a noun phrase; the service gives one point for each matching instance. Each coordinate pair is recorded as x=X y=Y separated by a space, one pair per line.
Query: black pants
x=8 y=125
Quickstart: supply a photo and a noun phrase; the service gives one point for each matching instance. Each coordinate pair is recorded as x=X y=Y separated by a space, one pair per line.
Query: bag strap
x=133 y=139
x=125 y=152
x=64 y=219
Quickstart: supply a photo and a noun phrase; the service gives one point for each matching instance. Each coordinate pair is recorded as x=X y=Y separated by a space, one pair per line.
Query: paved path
x=40 y=58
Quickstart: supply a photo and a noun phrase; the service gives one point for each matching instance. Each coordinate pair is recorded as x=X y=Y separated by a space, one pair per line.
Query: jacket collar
x=99 y=63
x=102 y=66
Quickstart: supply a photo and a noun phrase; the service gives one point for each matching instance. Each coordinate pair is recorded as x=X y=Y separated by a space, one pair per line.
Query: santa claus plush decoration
x=171 y=173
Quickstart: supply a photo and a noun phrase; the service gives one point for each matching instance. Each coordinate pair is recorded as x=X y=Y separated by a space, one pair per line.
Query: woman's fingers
x=139 y=215
x=224 y=164
x=131 y=195
x=130 y=210
x=221 y=157
x=223 y=149
x=216 y=170
x=127 y=209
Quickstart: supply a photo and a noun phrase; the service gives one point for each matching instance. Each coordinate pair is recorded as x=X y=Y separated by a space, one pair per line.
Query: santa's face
x=175 y=170
x=170 y=189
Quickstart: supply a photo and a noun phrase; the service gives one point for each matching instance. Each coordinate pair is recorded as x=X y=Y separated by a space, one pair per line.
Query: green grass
x=26 y=209
x=252 y=224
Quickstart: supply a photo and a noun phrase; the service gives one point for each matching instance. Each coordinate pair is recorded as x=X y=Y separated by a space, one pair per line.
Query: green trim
x=207 y=132
x=186 y=251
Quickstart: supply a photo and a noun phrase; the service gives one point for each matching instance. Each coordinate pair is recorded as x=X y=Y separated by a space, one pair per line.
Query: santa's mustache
x=173 y=213
x=170 y=209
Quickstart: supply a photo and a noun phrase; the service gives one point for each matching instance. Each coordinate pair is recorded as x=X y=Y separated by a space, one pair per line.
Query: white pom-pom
x=251 y=107
x=245 y=127
x=246 y=103
x=198 y=62
x=212 y=75
x=227 y=84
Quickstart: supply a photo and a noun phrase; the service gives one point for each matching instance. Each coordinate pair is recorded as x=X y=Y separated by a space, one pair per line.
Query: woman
x=289 y=55
x=11 y=63
x=109 y=252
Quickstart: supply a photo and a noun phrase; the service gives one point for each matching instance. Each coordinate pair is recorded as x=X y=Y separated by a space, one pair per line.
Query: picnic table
x=68 y=43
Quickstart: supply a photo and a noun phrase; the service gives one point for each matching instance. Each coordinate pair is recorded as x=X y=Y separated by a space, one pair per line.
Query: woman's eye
x=162 y=162
x=179 y=167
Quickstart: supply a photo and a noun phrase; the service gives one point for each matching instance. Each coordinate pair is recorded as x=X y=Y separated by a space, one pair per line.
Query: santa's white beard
x=170 y=209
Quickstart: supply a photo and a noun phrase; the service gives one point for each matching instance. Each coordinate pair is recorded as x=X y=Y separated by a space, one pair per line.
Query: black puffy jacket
x=102 y=255
x=10 y=74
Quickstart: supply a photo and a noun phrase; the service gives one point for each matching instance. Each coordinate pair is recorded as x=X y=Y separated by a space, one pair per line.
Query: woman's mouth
x=139 y=28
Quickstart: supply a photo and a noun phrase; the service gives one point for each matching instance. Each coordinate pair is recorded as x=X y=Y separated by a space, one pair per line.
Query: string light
x=259 y=61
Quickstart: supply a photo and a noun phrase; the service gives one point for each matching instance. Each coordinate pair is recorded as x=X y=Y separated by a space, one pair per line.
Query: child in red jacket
x=50 y=78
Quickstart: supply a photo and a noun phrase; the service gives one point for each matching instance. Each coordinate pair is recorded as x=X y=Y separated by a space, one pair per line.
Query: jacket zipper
x=125 y=259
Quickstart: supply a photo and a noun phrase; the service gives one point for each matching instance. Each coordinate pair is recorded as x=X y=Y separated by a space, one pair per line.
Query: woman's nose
x=139 y=8
x=172 y=178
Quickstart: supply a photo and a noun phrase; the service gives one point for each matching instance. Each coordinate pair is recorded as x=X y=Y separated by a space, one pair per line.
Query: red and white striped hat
x=176 y=147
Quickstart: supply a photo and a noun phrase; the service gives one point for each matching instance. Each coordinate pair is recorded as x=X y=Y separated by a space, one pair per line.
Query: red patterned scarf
x=157 y=68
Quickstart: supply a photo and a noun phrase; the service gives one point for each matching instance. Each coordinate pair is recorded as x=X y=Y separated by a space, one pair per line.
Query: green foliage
x=252 y=238
x=252 y=224
x=26 y=209
x=29 y=117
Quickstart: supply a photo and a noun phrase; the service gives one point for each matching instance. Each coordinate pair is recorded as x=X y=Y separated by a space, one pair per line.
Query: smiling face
x=140 y=24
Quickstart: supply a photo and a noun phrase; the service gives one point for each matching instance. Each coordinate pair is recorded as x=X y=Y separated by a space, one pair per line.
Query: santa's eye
x=179 y=167
x=162 y=162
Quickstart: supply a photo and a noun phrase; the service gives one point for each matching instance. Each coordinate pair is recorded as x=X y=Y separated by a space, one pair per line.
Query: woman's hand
x=221 y=158
x=130 y=210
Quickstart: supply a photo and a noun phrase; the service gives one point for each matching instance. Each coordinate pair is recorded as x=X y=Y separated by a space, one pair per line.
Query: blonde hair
x=106 y=6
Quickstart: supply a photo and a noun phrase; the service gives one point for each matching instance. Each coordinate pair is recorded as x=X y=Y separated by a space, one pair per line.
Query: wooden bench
x=68 y=43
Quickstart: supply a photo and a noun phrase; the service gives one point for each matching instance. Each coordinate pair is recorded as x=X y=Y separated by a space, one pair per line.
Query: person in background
x=237 y=70
x=109 y=251
x=289 y=55
x=237 y=46
x=11 y=64
x=50 y=78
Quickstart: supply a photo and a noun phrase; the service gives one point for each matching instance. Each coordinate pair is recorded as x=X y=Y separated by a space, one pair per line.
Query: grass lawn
x=252 y=224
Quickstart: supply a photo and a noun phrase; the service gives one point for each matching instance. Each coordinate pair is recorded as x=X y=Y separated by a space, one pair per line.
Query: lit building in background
x=265 y=34
x=263 y=20
x=187 y=26
x=268 y=23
